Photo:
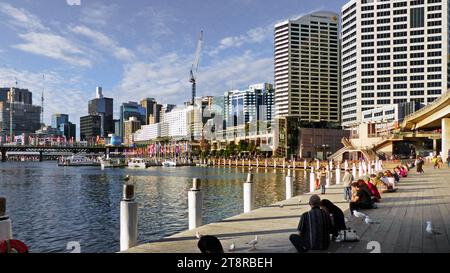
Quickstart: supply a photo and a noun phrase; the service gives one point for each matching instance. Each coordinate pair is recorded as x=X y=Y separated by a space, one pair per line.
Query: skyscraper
x=103 y=107
x=307 y=75
x=61 y=122
x=25 y=117
x=151 y=108
x=392 y=52
x=90 y=128
x=128 y=110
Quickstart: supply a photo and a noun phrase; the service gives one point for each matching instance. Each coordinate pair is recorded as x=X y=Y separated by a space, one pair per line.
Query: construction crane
x=194 y=67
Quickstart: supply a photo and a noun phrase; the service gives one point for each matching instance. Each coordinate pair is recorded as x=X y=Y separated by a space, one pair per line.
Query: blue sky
x=138 y=48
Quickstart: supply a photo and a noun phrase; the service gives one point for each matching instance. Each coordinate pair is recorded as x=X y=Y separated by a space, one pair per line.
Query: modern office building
x=103 y=107
x=307 y=78
x=178 y=123
x=130 y=127
x=392 y=52
x=25 y=117
x=128 y=110
x=62 y=123
x=152 y=110
x=250 y=105
x=151 y=132
x=90 y=128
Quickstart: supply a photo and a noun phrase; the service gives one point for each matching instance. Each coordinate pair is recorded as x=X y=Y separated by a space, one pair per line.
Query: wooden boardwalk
x=402 y=220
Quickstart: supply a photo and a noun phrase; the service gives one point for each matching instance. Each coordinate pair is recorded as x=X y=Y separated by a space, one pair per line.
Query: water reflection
x=51 y=205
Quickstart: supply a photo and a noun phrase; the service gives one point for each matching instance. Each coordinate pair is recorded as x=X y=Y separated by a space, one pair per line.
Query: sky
x=138 y=48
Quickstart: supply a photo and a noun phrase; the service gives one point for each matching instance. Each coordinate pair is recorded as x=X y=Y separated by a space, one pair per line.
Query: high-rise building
x=250 y=105
x=165 y=108
x=130 y=126
x=307 y=78
x=152 y=112
x=90 y=128
x=307 y=68
x=128 y=110
x=392 y=52
x=25 y=117
x=103 y=107
x=62 y=123
x=58 y=119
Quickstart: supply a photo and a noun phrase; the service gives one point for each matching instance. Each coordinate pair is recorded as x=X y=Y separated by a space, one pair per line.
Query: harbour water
x=51 y=206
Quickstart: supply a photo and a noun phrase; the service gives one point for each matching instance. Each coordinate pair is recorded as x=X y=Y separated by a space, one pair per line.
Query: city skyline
x=80 y=47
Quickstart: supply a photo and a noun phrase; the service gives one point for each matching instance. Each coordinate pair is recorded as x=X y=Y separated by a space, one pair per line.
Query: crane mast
x=194 y=67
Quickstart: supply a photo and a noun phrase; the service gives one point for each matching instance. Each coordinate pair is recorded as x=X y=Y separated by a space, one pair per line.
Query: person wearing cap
x=314 y=228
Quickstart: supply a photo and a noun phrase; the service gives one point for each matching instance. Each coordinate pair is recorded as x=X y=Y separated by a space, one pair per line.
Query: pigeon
x=198 y=235
x=127 y=178
x=370 y=221
x=430 y=229
x=232 y=247
x=253 y=242
x=359 y=214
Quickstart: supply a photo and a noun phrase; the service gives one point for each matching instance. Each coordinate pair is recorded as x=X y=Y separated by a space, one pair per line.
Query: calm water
x=50 y=205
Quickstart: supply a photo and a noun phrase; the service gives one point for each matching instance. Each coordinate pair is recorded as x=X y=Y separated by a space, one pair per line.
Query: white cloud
x=62 y=93
x=21 y=17
x=105 y=43
x=97 y=14
x=53 y=46
x=167 y=78
x=73 y=2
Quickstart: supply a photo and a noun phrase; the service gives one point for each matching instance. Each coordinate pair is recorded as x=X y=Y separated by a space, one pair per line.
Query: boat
x=169 y=163
x=111 y=163
x=78 y=160
x=137 y=163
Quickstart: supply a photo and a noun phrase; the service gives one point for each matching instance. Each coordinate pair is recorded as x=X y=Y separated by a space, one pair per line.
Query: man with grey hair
x=314 y=229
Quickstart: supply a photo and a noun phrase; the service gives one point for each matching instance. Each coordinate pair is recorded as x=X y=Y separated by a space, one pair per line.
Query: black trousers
x=357 y=206
x=300 y=243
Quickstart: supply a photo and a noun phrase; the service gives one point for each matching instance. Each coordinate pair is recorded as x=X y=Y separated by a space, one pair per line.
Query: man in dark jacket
x=314 y=229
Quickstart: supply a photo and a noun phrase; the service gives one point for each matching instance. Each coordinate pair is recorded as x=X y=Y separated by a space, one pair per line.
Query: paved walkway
x=402 y=216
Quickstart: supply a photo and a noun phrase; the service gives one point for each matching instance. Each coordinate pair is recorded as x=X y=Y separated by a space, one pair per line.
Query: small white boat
x=137 y=163
x=78 y=160
x=169 y=163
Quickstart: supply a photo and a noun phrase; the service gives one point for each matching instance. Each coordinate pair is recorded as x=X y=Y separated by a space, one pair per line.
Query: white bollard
x=5 y=222
x=338 y=174
x=249 y=197
x=317 y=164
x=354 y=171
x=128 y=218
x=236 y=163
x=359 y=169
x=284 y=163
x=346 y=165
x=274 y=164
x=312 y=180
x=265 y=163
x=369 y=168
x=289 y=185
x=195 y=204
x=380 y=162
x=294 y=164
x=305 y=165
x=257 y=163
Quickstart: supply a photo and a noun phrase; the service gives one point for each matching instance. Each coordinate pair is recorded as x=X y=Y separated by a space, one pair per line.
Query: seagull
x=369 y=221
x=430 y=229
x=198 y=235
x=232 y=247
x=359 y=214
x=281 y=206
x=253 y=242
x=127 y=178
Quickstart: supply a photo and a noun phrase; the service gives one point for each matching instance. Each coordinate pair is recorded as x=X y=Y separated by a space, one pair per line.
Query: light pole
x=12 y=91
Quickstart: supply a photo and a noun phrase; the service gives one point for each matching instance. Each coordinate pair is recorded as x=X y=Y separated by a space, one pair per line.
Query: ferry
x=78 y=160
x=137 y=163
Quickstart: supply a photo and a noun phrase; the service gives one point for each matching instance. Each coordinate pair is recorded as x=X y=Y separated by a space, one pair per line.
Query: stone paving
x=401 y=215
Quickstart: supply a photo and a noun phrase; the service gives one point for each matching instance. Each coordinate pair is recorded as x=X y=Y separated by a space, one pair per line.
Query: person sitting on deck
x=361 y=197
x=396 y=175
x=375 y=194
x=336 y=216
x=388 y=182
x=210 y=244
x=314 y=228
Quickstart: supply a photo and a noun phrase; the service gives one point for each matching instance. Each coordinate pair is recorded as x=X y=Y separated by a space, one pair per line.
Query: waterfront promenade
x=401 y=215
